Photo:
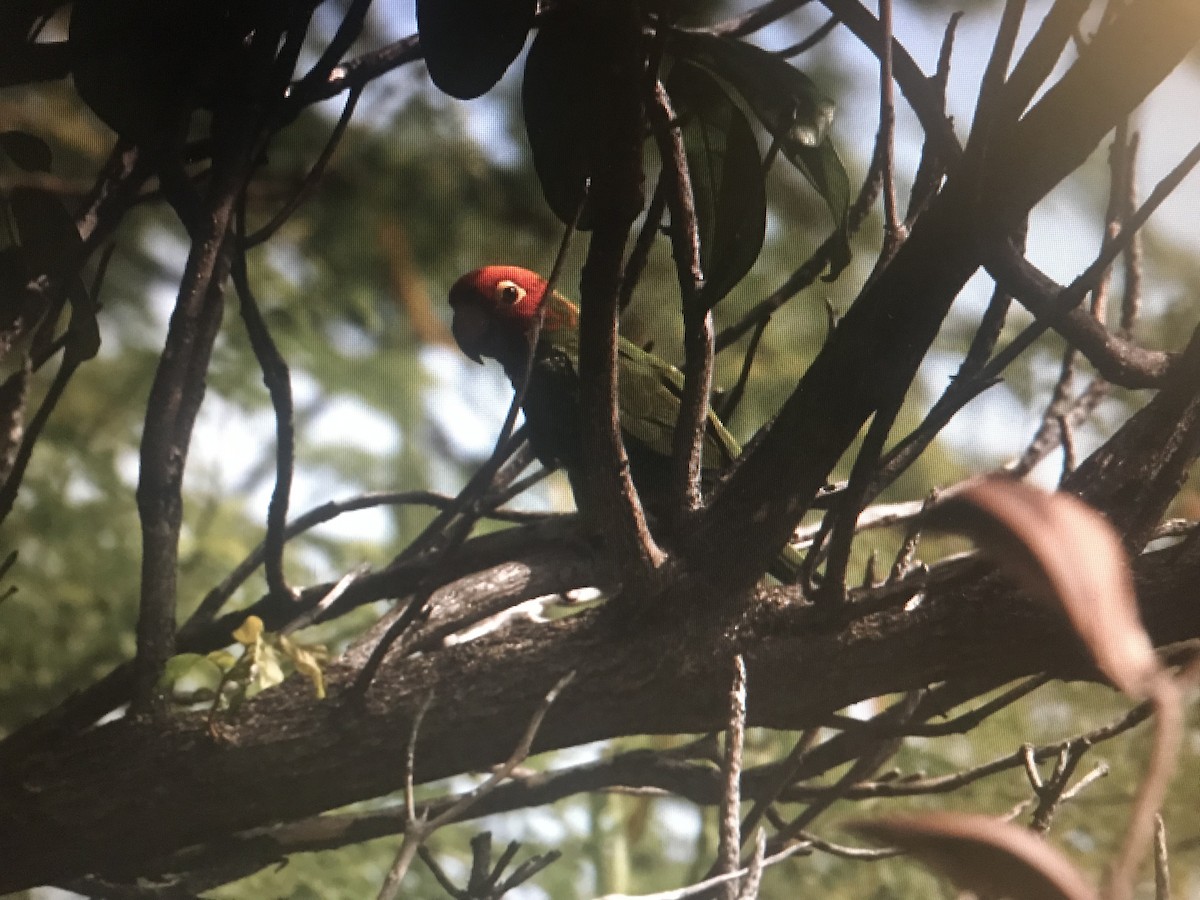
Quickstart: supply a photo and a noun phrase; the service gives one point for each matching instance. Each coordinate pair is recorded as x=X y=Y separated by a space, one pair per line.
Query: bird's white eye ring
x=509 y=293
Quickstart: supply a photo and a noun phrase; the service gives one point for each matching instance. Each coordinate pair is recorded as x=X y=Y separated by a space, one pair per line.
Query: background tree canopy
x=279 y=586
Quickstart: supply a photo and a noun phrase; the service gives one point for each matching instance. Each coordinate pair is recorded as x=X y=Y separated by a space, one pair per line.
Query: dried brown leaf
x=987 y=856
x=1057 y=547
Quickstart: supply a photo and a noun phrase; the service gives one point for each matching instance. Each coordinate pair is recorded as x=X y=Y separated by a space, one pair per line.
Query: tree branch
x=882 y=340
x=76 y=808
x=615 y=196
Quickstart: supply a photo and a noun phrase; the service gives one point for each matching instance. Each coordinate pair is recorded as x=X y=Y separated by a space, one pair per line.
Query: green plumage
x=649 y=390
x=495 y=309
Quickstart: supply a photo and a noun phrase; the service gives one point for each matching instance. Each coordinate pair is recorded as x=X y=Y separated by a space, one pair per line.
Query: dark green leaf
x=823 y=168
x=26 y=150
x=790 y=107
x=469 y=44
x=727 y=178
x=139 y=63
x=561 y=90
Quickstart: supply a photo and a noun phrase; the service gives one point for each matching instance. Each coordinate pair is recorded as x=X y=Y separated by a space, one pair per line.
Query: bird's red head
x=494 y=308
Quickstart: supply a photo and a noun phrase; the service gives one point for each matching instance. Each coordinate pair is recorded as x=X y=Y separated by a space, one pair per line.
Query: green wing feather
x=649 y=390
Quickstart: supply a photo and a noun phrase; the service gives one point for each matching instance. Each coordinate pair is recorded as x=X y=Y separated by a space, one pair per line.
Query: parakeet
x=494 y=310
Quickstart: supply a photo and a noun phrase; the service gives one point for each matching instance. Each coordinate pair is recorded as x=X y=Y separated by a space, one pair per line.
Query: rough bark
x=116 y=798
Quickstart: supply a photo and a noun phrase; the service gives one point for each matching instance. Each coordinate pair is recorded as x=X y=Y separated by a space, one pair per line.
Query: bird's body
x=495 y=309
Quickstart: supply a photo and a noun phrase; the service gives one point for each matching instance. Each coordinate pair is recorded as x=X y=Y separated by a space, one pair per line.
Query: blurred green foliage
x=352 y=290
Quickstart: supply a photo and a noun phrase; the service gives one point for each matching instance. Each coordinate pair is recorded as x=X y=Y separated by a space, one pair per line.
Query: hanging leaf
x=791 y=108
x=986 y=856
x=560 y=93
x=469 y=44
x=1059 y=548
x=26 y=150
x=727 y=178
x=140 y=63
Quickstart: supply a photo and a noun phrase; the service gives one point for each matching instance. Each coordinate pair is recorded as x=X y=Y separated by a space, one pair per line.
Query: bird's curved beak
x=470 y=327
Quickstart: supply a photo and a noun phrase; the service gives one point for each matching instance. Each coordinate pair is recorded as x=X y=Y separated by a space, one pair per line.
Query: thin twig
x=418 y=829
x=1072 y=295
x=414 y=825
x=416 y=607
x=730 y=839
x=311 y=180
x=640 y=254
x=1131 y=297
x=1050 y=429
x=1098 y=771
x=893 y=230
x=753 y=879
x=870 y=854
x=16 y=473
x=702 y=887
x=808 y=43
x=922 y=94
x=902 y=564
x=347 y=33
x=932 y=166
x=219 y=595
x=757 y=18
x=850 y=504
x=335 y=593
x=870 y=759
x=989 y=106
x=733 y=399
x=687 y=442
x=278 y=381
x=1052 y=793
x=788 y=769
x=1067 y=439
x=811 y=269
x=519 y=755
x=410 y=756
x=1162 y=871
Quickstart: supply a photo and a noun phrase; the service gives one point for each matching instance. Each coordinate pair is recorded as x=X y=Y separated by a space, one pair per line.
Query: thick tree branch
x=499 y=570
x=615 y=198
x=174 y=403
x=885 y=335
x=80 y=807
x=1116 y=358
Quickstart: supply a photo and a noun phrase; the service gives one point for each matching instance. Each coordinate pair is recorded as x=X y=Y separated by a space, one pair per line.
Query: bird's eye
x=509 y=293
